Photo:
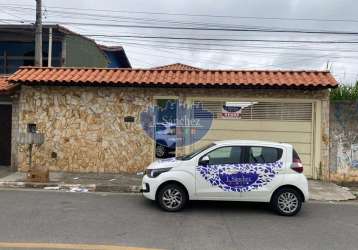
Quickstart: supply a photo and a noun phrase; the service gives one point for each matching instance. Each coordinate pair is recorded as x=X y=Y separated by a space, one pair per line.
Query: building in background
x=69 y=49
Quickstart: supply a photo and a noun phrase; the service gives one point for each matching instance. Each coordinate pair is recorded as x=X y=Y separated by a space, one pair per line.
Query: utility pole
x=49 y=57
x=38 y=35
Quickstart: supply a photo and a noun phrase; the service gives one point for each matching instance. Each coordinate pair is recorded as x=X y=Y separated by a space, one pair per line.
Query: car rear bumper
x=305 y=190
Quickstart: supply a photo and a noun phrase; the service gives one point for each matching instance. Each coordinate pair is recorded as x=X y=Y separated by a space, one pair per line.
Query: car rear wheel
x=160 y=151
x=172 y=197
x=287 y=202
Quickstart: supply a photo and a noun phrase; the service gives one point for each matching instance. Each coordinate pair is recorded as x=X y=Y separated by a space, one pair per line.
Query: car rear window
x=258 y=154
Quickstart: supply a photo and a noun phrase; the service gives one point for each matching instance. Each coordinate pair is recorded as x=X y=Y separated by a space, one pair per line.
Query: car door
x=218 y=177
x=265 y=164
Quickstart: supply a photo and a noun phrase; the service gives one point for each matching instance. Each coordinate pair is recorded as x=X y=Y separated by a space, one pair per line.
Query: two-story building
x=69 y=49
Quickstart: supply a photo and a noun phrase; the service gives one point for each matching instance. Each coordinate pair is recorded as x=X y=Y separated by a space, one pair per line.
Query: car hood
x=165 y=163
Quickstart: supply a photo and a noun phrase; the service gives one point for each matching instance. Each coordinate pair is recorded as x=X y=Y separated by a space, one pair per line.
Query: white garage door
x=270 y=121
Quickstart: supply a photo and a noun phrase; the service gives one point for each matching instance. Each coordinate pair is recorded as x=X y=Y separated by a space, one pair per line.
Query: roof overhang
x=6 y=88
x=174 y=78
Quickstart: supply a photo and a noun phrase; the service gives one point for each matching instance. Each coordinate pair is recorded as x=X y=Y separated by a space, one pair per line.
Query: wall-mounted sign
x=231 y=112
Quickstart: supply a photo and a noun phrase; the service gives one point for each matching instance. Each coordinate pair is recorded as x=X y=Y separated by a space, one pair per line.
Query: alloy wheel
x=287 y=202
x=172 y=198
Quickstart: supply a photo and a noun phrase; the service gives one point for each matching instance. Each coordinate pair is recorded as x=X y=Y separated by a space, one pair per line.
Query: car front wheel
x=287 y=202
x=172 y=197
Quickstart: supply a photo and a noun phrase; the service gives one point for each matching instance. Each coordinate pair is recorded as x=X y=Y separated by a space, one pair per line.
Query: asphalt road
x=130 y=220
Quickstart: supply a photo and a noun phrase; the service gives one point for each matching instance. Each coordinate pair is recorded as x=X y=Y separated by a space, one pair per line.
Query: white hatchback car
x=237 y=170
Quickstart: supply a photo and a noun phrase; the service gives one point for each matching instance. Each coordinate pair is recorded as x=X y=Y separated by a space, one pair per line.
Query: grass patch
x=345 y=93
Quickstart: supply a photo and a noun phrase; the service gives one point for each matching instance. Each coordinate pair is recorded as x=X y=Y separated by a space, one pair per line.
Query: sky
x=115 y=22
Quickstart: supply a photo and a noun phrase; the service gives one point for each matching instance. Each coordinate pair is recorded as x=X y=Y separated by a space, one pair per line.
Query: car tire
x=286 y=202
x=172 y=197
x=160 y=151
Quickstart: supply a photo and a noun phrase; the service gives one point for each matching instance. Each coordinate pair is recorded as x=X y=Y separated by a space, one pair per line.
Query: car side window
x=257 y=154
x=225 y=155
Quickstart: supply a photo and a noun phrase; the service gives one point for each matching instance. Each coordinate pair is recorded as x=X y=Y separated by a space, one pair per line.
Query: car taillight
x=297 y=165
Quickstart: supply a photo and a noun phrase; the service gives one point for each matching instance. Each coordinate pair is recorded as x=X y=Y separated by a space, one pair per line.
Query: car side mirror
x=204 y=161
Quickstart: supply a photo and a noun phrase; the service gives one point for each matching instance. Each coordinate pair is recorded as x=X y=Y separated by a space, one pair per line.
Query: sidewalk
x=77 y=182
x=131 y=183
x=4 y=171
x=326 y=191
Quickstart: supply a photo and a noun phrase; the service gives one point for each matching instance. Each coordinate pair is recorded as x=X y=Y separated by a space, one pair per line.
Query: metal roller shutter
x=262 y=120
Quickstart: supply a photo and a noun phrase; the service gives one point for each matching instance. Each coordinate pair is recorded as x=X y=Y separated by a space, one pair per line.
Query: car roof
x=251 y=142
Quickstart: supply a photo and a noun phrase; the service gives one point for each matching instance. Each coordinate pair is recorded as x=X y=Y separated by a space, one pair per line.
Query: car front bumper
x=145 y=188
x=149 y=187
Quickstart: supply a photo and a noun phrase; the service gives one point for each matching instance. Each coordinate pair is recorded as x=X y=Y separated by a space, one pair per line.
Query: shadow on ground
x=209 y=207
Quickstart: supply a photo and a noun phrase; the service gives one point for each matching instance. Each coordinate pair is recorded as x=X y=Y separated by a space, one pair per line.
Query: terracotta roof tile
x=181 y=77
x=4 y=84
x=177 y=66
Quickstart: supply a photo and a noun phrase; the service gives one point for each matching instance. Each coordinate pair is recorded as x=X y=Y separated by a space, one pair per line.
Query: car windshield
x=195 y=153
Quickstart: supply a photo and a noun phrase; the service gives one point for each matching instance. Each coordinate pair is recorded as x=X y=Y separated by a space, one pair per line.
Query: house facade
x=69 y=49
x=92 y=119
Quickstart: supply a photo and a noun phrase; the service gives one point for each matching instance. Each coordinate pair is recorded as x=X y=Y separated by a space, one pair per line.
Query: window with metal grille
x=256 y=110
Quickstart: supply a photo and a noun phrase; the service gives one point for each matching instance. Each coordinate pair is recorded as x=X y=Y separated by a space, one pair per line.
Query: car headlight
x=152 y=173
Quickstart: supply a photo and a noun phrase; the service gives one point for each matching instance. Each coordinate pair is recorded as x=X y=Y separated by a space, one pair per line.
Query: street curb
x=71 y=187
x=118 y=189
x=107 y=188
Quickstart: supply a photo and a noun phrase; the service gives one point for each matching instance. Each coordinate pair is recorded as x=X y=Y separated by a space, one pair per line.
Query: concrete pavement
x=328 y=191
x=52 y=246
x=130 y=220
x=5 y=171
